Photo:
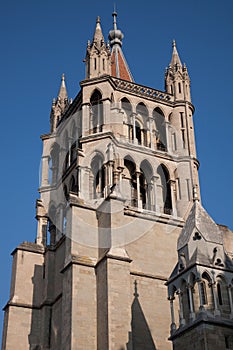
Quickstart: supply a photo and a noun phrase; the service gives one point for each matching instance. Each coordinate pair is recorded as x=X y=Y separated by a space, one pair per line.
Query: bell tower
x=118 y=167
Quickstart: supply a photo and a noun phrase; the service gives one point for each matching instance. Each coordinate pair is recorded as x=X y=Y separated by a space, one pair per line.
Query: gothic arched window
x=129 y=182
x=96 y=111
x=143 y=113
x=146 y=189
x=53 y=164
x=138 y=133
x=166 y=189
x=126 y=106
x=98 y=175
x=159 y=120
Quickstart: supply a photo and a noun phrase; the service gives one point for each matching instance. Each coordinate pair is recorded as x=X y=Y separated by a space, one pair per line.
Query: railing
x=142 y=90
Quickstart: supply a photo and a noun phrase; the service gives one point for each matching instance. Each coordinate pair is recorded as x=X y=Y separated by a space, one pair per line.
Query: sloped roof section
x=120 y=68
x=200 y=220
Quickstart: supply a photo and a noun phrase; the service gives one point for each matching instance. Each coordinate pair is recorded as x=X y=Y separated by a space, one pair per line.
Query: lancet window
x=96 y=111
x=98 y=177
x=160 y=129
x=166 y=188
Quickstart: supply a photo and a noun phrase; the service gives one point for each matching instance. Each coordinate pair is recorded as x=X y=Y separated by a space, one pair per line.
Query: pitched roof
x=120 y=68
x=200 y=220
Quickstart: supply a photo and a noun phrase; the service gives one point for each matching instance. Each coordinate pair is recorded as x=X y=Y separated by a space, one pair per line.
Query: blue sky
x=40 y=40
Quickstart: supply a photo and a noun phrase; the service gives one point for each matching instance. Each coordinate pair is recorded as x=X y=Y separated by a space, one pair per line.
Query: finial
x=115 y=36
x=114 y=15
x=98 y=19
x=173 y=43
x=63 y=77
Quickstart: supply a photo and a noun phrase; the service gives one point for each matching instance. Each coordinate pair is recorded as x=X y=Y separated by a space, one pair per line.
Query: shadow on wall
x=140 y=338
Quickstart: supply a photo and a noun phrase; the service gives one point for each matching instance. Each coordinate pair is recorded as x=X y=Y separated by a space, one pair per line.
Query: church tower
x=118 y=170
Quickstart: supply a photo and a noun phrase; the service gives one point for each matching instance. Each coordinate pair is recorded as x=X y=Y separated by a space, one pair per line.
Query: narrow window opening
x=182 y=119
x=171 y=89
x=138 y=133
x=219 y=293
x=188 y=189
x=95 y=64
x=179 y=87
x=103 y=64
x=203 y=293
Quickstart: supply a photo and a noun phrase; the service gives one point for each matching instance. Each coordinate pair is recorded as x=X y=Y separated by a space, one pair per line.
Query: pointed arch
x=53 y=163
x=160 y=129
x=129 y=182
x=146 y=185
x=141 y=130
x=222 y=294
x=127 y=108
x=98 y=177
x=96 y=111
x=166 y=188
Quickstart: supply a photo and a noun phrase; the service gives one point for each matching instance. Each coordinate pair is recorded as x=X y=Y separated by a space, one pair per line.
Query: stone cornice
x=30 y=247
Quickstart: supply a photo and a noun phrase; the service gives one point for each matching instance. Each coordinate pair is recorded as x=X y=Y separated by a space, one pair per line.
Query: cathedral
x=125 y=256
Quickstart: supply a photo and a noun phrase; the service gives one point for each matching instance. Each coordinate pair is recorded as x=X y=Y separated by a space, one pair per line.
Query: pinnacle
x=98 y=35
x=175 y=61
x=63 y=92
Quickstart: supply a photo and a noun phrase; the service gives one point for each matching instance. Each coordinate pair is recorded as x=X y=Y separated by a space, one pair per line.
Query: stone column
x=173 y=322
x=154 y=181
x=173 y=196
x=216 y=310
x=87 y=119
x=151 y=145
x=138 y=173
x=181 y=312
x=134 y=128
x=192 y=313
x=167 y=137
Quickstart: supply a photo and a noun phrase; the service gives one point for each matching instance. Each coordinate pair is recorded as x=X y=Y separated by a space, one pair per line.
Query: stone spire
x=175 y=61
x=62 y=94
x=177 y=80
x=59 y=105
x=119 y=68
x=98 y=37
x=98 y=56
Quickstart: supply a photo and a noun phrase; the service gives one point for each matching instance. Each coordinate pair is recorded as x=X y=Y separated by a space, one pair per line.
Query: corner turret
x=59 y=105
x=98 y=56
x=177 y=81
